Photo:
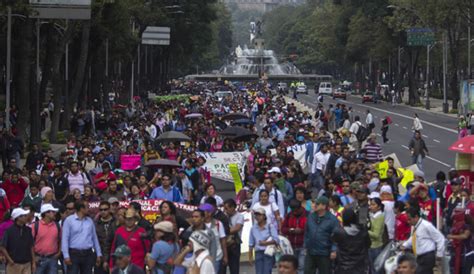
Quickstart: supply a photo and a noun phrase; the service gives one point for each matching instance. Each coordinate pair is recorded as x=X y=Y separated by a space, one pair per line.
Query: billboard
x=61 y=9
x=62 y=2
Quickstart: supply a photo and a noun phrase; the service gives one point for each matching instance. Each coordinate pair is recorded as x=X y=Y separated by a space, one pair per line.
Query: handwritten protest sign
x=218 y=163
x=130 y=162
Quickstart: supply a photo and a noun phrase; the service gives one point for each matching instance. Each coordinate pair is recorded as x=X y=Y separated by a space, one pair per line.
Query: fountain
x=257 y=63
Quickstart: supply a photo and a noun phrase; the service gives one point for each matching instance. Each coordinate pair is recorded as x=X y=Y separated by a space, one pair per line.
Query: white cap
x=18 y=212
x=374 y=195
x=386 y=189
x=274 y=170
x=48 y=207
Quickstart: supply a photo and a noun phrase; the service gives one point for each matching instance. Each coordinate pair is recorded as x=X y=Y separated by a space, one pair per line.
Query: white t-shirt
x=269 y=212
x=236 y=219
x=354 y=127
x=218 y=198
x=205 y=265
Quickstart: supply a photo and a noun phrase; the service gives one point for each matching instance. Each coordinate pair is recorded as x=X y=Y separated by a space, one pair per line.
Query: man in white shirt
x=426 y=242
x=369 y=121
x=151 y=129
x=318 y=168
x=416 y=123
x=355 y=125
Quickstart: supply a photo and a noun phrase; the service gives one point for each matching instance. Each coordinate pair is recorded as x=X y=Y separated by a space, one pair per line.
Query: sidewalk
x=436 y=106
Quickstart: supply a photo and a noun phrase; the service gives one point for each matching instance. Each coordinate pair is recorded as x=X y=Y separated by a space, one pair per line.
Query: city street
x=439 y=131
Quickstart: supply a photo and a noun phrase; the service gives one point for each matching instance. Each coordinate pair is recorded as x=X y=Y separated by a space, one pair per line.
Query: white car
x=302 y=89
x=325 y=88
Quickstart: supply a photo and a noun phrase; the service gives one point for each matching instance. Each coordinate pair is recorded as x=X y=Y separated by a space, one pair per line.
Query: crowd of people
x=333 y=207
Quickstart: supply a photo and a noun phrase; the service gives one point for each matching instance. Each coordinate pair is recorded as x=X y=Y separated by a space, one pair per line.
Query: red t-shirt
x=15 y=191
x=402 y=228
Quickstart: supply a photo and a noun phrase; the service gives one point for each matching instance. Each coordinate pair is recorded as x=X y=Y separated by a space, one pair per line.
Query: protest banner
x=299 y=152
x=151 y=211
x=408 y=176
x=217 y=163
x=130 y=162
x=234 y=171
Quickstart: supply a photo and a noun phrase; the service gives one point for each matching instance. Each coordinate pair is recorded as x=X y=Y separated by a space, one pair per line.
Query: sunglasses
x=104 y=209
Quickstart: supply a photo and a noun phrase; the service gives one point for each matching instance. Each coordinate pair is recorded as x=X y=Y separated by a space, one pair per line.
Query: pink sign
x=130 y=162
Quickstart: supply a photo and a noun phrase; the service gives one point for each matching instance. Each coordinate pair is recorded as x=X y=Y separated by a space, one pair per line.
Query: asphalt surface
x=439 y=131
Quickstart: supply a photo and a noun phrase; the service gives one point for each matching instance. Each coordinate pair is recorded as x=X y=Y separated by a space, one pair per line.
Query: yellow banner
x=382 y=168
x=408 y=176
x=234 y=171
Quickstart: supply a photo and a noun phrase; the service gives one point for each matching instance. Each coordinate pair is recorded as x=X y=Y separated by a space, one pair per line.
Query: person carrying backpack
x=46 y=235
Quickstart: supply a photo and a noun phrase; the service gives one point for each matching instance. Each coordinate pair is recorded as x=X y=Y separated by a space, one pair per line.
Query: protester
x=18 y=245
x=234 y=239
x=124 y=265
x=320 y=249
x=200 y=262
x=293 y=228
x=105 y=227
x=406 y=264
x=79 y=243
x=353 y=244
x=263 y=236
x=47 y=238
x=288 y=264
x=426 y=242
x=160 y=260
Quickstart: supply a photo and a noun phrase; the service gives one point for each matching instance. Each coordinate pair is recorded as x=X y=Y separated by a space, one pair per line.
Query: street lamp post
x=428 y=77
x=9 y=57
x=445 y=65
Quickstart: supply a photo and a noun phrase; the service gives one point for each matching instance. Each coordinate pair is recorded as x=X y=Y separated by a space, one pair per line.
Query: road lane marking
x=402 y=115
x=405 y=128
x=397 y=125
x=437 y=141
x=432 y=159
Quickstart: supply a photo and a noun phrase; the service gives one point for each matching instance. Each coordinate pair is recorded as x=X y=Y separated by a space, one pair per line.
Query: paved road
x=439 y=131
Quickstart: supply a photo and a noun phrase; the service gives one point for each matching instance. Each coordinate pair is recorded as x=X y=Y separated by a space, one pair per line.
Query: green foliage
x=166 y=98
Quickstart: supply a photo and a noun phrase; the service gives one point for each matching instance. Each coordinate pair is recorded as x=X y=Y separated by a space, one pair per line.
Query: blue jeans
x=300 y=254
x=418 y=160
x=373 y=253
x=47 y=266
x=317 y=182
x=263 y=263
x=217 y=265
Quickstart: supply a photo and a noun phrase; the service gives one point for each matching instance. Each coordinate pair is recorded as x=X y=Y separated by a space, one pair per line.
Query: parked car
x=325 y=88
x=339 y=93
x=302 y=89
x=368 y=97
x=282 y=88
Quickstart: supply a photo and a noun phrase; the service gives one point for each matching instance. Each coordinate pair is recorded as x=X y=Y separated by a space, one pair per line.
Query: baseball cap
x=206 y=207
x=122 y=251
x=200 y=240
x=275 y=170
x=18 y=212
x=322 y=200
x=112 y=200
x=260 y=211
x=48 y=207
x=165 y=226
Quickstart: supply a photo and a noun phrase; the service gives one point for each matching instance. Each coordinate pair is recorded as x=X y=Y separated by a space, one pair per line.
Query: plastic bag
x=387 y=252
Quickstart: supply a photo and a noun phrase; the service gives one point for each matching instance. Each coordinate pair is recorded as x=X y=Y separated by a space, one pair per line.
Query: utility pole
x=9 y=58
x=445 y=68
x=428 y=77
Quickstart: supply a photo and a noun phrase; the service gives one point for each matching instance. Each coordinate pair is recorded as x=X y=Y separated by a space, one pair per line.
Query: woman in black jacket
x=353 y=245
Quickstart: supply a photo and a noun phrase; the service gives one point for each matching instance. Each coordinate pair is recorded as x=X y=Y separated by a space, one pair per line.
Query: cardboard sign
x=130 y=162
x=234 y=171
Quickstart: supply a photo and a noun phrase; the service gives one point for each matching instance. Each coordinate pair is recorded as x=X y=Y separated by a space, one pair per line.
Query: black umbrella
x=242 y=122
x=173 y=136
x=244 y=137
x=234 y=116
x=234 y=131
x=158 y=163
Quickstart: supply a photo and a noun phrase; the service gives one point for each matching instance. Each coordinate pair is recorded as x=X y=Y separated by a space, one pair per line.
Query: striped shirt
x=373 y=152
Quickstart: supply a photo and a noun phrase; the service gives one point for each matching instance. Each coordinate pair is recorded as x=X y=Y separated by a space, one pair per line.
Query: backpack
x=36 y=229
x=362 y=133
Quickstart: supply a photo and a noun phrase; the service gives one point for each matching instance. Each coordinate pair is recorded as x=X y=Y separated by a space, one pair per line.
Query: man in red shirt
x=102 y=179
x=15 y=189
x=132 y=235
